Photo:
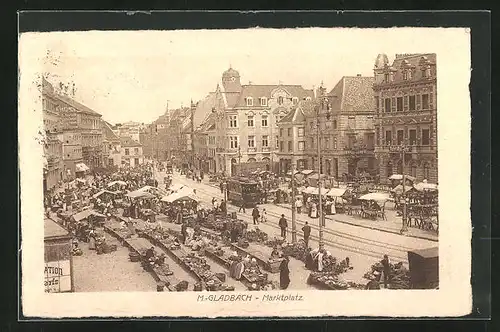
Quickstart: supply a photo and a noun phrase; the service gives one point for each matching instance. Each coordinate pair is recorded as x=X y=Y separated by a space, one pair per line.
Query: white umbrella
x=121 y=183
x=378 y=196
x=81 y=167
x=336 y=192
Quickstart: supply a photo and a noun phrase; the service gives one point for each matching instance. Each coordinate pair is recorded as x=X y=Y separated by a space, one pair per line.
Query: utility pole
x=239 y=159
x=294 y=217
x=321 y=107
x=404 y=227
x=192 y=131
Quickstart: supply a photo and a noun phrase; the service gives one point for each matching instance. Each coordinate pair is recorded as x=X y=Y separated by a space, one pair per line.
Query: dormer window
x=280 y=100
x=406 y=75
x=295 y=100
x=263 y=101
x=308 y=98
x=387 y=77
x=249 y=101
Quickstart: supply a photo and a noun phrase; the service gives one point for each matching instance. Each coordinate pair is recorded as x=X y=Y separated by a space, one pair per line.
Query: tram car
x=242 y=190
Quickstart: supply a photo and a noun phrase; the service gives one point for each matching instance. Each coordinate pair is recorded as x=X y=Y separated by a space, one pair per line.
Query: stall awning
x=379 y=197
x=121 y=183
x=336 y=192
x=139 y=194
x=315 y=176
x=82 y=215
x=400 y=177
x=102 y=192
x=176 y=187
x=315 y=191
x=399 y=189
x=307 y=171
x=81 y=167
x=426 y=186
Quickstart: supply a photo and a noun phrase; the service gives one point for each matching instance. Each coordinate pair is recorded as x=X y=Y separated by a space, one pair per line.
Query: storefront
x=58 y=269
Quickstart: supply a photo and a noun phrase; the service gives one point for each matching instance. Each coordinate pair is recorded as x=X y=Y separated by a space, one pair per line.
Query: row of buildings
x=78 y=139
x=381 y=124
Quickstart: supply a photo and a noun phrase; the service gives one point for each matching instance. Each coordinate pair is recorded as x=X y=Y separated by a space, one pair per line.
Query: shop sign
x=57 y=276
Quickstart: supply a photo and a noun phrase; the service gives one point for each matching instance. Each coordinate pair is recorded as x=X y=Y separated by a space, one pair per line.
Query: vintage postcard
x=245 y=173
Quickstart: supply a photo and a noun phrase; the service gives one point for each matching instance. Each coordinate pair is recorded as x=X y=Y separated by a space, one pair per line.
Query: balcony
x=252 y=150
x=266 y=149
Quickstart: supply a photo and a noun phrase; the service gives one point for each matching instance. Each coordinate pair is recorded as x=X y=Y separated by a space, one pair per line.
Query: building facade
x=406 y=112
x=292 y=140
x=53 y=171
x=83 y=137
x=111 y=146
x=247 y=121
x=130 y=152
x=347 y=129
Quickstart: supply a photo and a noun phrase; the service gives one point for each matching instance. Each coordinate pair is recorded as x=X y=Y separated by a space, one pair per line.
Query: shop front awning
x=81 y=167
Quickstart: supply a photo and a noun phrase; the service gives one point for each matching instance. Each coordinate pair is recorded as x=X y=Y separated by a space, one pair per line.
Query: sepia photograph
x=255 y=165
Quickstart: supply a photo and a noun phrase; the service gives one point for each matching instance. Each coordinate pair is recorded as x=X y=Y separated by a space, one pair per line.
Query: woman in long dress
x=314 y=210
x=284 y=273
x=92 y=240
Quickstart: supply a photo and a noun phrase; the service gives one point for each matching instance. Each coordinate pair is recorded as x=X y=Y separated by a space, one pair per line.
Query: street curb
x=358 y=225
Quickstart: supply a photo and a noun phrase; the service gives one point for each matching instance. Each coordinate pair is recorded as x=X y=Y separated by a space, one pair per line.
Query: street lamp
x=404 y=149
x=239 y=159
x=321 y=107
x=294 y=226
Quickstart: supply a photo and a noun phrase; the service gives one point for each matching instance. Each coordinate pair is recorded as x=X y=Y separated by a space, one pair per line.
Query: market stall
x=424 y=268
x=58 y=269
x=373 y=205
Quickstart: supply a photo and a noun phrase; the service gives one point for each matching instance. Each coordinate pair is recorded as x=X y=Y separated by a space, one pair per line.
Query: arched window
x=426 y=171
x=389 y=169
x=280 y=100
x=400 y=167
x=251 y=160
x=265 y=159
x=414 y=170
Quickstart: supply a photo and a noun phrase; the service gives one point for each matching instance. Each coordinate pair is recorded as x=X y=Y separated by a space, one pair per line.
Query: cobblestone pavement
x=110 y=272
x=362 y=245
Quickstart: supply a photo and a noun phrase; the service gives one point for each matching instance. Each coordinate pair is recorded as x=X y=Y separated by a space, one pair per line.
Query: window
x=426 y=171
x=335 y=143
x=412 y=103
x=302 y=145
x=311 y=124
x=250 y=121
x=289 y=145
x=249 y=101
x=387 y=105
x=233 y=142
x=387 y=78
x=136 y=150
x=425 y=102
x=277 y=142
x=426 y=139
x=424 y=73
x=327 y=143
x=400 y=136
x=308 y=98
x=413 y=137
x=300 y=132
x=127 y=152
x=265 y=141
x=263 y=101
x=295 y=100
x=281 y=146
x=388 y=137
x=399 y=104
x=233 y=121
x=251 y=141
x=264 y=121
x=289 y=132
x=281 y=132
x=280 y=100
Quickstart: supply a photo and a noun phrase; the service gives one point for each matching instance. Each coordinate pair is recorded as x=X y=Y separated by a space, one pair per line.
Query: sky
x=131 y=76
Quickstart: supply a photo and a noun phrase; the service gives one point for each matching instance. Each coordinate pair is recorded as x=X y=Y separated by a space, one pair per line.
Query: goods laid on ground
x=274 y=242
x=398 y=278
x=296 y=250
x=256 y=235
x=242 y=243
x=327 y=280
x=330 y=264
x=182 y=286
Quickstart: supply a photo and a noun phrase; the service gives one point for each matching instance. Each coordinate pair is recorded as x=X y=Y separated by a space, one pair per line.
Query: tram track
x=337 y=245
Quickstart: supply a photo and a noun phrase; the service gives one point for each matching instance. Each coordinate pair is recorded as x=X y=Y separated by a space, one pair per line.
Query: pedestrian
x=387 y=269
x=223 y=207
x=283 y=226
x=184 y=232
x=284 y=273
x=263 y=216
x=222 y=187
x=298 y=205
x=242 y=207
x=307 y=232
x=255 y=215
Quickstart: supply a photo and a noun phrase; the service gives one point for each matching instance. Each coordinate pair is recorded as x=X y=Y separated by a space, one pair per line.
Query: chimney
x=358 y=75
x=249 y=82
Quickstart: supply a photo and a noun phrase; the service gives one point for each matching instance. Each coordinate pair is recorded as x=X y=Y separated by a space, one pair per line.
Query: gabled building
x=247 y=119
x=406 y=112
x=130 y=152
x=292 y=140
x=347 y=136
x=111 y=146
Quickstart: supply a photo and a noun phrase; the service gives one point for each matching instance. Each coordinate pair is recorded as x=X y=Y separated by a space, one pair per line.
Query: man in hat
x=283 y=226
x=307 y=232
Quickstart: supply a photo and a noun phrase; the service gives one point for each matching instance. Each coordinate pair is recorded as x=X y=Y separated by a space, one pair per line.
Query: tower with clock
x=231 y=80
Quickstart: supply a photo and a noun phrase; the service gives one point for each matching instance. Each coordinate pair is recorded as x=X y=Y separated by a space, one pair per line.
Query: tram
x=243 y=190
